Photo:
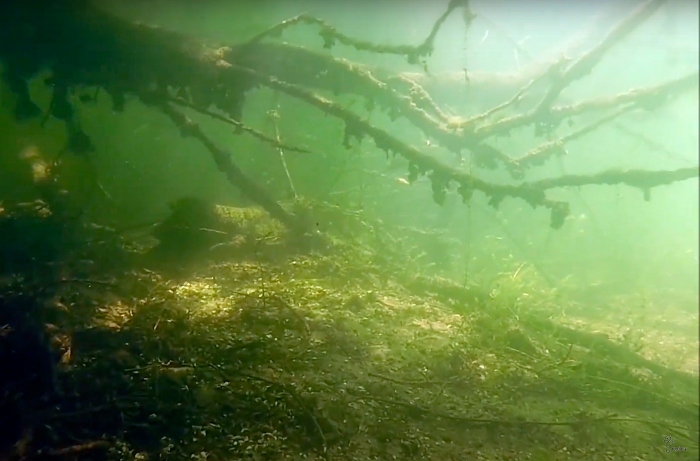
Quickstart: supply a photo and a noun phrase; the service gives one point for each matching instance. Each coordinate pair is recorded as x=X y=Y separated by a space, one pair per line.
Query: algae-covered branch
x=83 y=46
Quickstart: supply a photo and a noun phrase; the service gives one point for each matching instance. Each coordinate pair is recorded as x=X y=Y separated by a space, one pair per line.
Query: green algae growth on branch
x=90 y=47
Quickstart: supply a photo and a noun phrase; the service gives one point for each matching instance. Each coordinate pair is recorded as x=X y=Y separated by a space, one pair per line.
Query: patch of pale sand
x=442 y=325
x=678 y=352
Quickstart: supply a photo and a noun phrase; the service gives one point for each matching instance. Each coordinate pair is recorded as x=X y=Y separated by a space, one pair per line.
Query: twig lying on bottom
x=419 y=411
x=73 y=450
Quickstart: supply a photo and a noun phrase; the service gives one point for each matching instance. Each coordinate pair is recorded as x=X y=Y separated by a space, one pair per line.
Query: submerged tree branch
x=639 y=98
x=224 y=163
x=275 y=142
x=147 y=61
x=585 y=64
x=442 y=175
x=331 y=35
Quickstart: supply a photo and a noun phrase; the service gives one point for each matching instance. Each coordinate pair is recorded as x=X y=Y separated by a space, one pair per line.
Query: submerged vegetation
x=332 y=355
x=292 y=328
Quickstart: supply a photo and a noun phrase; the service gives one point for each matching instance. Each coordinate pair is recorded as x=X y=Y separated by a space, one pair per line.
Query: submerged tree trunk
x=84 y=46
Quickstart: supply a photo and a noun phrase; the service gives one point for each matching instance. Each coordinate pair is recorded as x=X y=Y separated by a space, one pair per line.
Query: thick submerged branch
x=87 y=47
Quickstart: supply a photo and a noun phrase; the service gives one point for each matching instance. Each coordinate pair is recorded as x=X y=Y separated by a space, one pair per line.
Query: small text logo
x=668 y=442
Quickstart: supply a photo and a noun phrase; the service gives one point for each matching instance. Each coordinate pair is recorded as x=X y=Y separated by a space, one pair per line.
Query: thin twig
x=239 y=126
x=411 y=382
x=274 y=116
x=418 y=410
x=558 y=364
x=75 y=450
x=541 y=153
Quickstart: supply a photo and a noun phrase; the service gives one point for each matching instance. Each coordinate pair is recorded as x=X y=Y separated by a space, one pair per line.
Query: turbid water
x=328 y=241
